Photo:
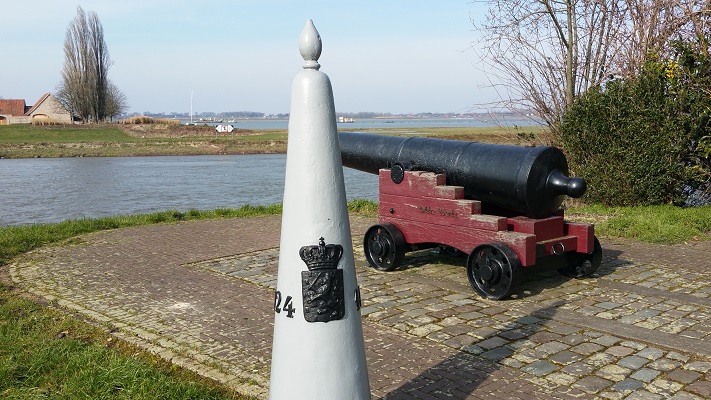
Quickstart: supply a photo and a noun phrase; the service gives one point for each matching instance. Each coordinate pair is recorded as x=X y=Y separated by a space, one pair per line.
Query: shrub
x=640 y=140
x=166 y=121
x=137 y=120
x=48 y=122
x=148 y=120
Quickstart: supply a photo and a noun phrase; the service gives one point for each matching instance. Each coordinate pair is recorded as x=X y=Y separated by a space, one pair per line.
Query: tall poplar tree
x=85 y=87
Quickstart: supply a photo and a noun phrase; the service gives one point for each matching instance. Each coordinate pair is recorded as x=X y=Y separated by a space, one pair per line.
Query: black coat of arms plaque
x=322 y=284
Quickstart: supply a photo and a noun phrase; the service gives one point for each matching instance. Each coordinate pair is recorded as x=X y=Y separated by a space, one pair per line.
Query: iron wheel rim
x=493 y=270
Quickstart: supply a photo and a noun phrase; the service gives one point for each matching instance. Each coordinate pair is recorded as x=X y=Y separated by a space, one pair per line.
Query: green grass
x=47 y=354
x=363 y=207
x=654 y=224
x=27 y=141
x=112 y=140
x=15 y=240
x=665 y=224
x=518 y=135
x=16 y=134
x=261 y=135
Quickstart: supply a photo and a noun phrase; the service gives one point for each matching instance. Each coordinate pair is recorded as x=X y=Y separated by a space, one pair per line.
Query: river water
x=393 y=123
x=53 y=190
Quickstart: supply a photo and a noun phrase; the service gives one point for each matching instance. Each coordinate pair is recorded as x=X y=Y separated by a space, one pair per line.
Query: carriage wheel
x=494 y=270
x=384 y=247
x=587 y=263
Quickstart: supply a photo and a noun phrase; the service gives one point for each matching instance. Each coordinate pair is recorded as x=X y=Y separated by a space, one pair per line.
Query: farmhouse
x=47 y=107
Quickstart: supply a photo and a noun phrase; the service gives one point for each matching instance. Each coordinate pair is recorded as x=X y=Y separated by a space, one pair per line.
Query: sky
x=391 y=56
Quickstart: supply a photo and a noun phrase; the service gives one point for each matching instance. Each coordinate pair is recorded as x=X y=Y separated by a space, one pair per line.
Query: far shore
x=112 y=140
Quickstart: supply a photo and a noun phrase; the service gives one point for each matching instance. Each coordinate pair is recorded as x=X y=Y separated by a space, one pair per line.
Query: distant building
x=47 y=107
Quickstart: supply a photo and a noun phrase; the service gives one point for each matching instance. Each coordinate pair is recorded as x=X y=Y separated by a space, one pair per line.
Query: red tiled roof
x=37 y=104
x=12 y=107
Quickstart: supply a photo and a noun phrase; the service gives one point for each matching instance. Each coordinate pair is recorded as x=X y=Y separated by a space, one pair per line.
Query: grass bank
x=15 y=240
x=122 y=140
x=45 y=353
x=664 y=224
x=652 y=224
x=28 y=141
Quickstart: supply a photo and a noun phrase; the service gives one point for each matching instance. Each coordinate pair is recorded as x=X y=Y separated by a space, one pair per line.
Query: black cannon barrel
x=529 y=180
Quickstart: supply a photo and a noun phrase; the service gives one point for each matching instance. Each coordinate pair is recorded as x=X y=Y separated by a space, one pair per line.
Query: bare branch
x=547 y=52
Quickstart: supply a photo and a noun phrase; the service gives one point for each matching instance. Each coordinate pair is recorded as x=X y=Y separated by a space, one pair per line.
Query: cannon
x=498 y=204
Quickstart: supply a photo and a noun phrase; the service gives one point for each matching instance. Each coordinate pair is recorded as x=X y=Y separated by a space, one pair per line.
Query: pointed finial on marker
x=310 y=46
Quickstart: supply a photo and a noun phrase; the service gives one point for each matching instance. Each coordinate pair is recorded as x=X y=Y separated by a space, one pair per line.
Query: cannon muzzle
x=532 y=181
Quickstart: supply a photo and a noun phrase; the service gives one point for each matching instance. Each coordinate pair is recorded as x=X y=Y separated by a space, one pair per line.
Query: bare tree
x=84 y=86
x=116 y=102
x=544 y=53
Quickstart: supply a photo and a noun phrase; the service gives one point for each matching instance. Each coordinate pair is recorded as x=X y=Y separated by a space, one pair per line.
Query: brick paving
x=200 y=295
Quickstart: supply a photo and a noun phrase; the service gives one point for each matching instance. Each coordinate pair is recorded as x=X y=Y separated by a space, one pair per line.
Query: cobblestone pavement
x=200 y=294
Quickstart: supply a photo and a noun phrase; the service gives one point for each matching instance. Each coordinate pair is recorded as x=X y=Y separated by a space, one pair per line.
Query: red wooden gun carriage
x=498 y=204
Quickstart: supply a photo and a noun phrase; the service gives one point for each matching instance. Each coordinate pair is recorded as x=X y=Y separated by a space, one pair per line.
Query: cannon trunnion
x=422 y=205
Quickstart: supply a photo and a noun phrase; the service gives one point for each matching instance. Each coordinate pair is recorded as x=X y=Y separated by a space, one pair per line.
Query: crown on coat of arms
x=321 y=256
